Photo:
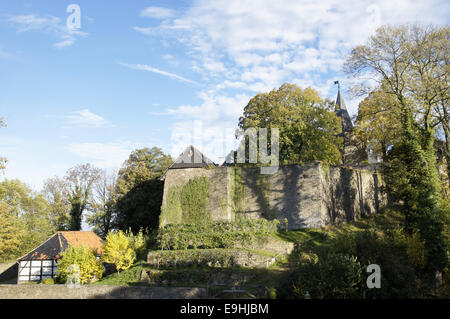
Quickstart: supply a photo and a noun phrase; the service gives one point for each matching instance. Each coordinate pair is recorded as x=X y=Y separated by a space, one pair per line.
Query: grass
x=128 y=277
x=254 y=251
x=383 y=221
x=251 y=278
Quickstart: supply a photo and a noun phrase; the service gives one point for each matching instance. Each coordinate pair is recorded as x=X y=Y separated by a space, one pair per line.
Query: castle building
x=353 y=151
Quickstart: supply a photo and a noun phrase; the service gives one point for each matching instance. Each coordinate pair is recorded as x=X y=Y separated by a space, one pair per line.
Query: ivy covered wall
x=299 y=195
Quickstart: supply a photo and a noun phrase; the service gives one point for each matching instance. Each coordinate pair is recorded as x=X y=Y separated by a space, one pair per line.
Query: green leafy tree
x=80 y=180
x=90 y=267
x=27 y=213
x=139 y=189
x=56 y=193
x=307 y=124
x=104 y=204
x=118 y=251
x=377 y=123
x=407 y=61
x=2 y=159
x=11 y=232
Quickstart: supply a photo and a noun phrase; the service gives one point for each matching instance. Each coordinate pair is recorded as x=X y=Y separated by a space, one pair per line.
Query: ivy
x=171 y=211
x=193 y=200
x=237 y=190
x=262 y=192
x=215 y=235
x=187 y=204
x=200 y=257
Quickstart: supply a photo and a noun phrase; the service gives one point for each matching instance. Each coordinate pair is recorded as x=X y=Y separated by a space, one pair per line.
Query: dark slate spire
x=190 y=158
x=342 y=112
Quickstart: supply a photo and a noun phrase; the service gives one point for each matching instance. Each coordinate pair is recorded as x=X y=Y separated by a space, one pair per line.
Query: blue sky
x=164 y=73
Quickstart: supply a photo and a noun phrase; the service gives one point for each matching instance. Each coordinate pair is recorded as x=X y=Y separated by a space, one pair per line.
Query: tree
x=56 y=193
x=142 y=165
x=441 y=113
x=80 y=181
x=140 y=190
x=138 y=243
x=11 y=232
x=376 y=123
x=24 y=220
x=104 y=204
x=2 y=159
x=406 y=62
x=86 y=262
x=117 y=251
x=307 y=125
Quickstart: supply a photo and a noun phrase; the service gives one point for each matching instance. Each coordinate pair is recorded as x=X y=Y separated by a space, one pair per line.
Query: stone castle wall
x=40 y=291
x=310 y=195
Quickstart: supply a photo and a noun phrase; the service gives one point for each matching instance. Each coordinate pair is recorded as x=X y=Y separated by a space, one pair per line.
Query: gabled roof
x=56 y=244
x=191 y=157
x=341 y=111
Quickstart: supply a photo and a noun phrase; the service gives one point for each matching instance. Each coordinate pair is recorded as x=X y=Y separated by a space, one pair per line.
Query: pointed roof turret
x=341 y=111
x=191 y=157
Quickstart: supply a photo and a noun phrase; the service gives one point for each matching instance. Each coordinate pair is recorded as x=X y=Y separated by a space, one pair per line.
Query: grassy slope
x=308 y=238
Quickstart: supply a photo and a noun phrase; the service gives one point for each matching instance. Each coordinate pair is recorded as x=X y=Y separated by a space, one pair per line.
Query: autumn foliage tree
x=409 y=62
x=377 y=123
x=2 y=159
x=118 y=251
x=79 y=261
x=308 y=126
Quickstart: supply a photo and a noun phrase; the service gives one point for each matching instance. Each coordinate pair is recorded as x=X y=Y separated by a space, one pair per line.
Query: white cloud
x=157 y=12
x=86 y=118
x=248 y=46
x=51 y=24
x=270 y=42
x=101 y=155
x=149 y=68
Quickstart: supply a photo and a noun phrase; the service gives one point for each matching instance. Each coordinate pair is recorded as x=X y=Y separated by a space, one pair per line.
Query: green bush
x=89 y=267
x=194 y=257
x=48 y=281
x=336 y=276
x=215 y=235
x=272 y=293
x=138 y=243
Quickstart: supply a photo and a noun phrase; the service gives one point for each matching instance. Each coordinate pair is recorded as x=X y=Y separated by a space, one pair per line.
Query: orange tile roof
x=60 y=241
x=83 y=238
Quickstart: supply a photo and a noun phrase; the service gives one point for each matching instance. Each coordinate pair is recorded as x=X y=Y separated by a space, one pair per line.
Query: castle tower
x=352 y=152
x=341 y=111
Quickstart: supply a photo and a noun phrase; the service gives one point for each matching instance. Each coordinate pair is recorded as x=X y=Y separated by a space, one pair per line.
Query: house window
x=36 y=270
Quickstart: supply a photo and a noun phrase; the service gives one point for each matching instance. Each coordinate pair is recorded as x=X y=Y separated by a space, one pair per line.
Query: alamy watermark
x=74 y=277
x=254 y=145
x=73 y=21
x=374 y=279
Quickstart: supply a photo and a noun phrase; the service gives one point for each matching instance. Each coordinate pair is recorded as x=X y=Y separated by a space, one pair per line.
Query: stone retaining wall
x=306 y=196
x=37 y=291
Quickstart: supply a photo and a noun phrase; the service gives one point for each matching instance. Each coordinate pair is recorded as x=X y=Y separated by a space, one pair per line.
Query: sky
x=165 y=73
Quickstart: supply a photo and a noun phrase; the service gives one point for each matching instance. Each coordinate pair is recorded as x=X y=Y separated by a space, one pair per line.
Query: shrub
x=194 y=257
x=117 y=251
x=415 y=249
x=215 y=235
x=48 y=281
x=90 y=267
x=272 y=293
x=337 y=276
x=138 y=242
